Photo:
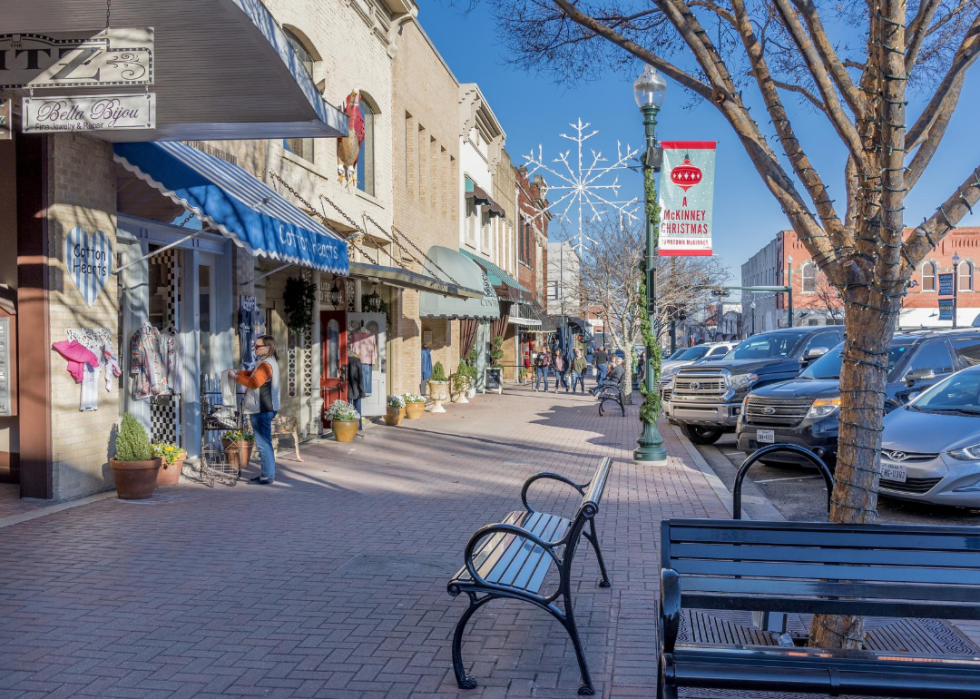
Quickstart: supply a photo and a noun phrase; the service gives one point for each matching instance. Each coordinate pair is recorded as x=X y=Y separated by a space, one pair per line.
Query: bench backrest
x=820 y=567
x=587 y=510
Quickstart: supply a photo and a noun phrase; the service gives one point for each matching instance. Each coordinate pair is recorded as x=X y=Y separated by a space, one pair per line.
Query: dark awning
x=393 y=276
x=449 y=265
x=505 y=285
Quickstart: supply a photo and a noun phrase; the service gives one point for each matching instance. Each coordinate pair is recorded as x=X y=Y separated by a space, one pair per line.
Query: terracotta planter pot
x=238 y=452
x=413 y=411
x=344 y=430
x=170 y=475
x=135 y=480
x=393 y=416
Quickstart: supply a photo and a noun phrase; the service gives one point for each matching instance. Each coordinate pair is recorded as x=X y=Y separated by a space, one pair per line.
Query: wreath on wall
x=297 y=302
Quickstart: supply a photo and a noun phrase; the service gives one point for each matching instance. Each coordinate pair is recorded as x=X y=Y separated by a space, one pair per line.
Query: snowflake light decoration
x=581 y=188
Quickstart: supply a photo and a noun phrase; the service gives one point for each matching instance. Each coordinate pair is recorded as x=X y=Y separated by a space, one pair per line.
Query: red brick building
x=532 y=250
x=816 y=303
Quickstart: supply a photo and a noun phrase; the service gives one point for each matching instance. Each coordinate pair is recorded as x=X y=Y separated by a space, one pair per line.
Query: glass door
x=368 y=336
x=333 y=344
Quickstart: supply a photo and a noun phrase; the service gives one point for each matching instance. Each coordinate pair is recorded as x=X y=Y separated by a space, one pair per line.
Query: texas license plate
x=765 y=436
x=894 y=472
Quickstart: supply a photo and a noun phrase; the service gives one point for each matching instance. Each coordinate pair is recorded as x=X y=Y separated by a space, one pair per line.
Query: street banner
x=945 y=309
x=95 y=58
x=946 y=284
x=89 y=113
x=687 y=188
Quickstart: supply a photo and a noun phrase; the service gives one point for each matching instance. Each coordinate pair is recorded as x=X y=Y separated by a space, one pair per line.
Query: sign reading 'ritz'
x=687 y=189
x=97 y=58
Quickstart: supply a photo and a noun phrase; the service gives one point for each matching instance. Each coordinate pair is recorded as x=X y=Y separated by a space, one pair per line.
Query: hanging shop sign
x=6 y=120
x=687 y=189
x=117 y=56
x=945 y=309
x=90 y=113
x=946 y=284
x=88 y=258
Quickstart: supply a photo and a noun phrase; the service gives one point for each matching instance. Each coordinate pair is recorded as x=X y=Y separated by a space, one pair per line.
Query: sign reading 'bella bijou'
x=96 y=58
x=89 y=113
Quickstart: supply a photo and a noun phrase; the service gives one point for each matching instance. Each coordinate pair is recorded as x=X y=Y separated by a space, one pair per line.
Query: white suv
x=708 y=352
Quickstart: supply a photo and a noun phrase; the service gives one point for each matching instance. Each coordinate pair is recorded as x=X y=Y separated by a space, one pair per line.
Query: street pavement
x=332 y=581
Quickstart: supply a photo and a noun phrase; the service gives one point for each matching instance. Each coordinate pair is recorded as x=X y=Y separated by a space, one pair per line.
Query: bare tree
x=805 y=51
x=610 y=276
x=830 y=299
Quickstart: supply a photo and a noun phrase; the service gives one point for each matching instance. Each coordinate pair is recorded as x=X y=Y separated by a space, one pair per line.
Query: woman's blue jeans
x=541 y=376
x=576 y=379
x=262 y=429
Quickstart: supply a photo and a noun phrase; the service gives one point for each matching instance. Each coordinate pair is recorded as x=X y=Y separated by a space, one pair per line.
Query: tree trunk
x=855 y=497
x=627 y=389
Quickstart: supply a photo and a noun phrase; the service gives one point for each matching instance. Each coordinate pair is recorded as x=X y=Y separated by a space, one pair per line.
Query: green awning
x=506 y=285
x=450 y=266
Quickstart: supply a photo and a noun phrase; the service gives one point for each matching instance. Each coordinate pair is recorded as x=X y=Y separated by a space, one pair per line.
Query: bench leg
x=462 y=681
x=594 y=540
x=296 y=446
x=664 y=691
x=568 y=622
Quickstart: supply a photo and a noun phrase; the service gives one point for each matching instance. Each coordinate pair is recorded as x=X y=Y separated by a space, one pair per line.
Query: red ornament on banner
x=685 y=176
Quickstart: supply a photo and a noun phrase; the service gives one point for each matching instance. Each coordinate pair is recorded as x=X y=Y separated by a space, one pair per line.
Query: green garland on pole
x=650 y=410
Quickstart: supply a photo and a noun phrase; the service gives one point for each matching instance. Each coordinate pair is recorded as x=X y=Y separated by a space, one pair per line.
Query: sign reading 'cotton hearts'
x=89 y=261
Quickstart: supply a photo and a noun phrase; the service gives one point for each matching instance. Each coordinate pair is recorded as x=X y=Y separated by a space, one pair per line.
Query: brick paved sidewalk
x=332 y=582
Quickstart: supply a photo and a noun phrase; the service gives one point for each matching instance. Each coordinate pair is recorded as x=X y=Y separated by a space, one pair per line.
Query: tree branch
x=932 y=231
x=930 y=144
x=916 y=32
x=720 y=11
x=854 y=98
x=946 y=97
x=813 y=99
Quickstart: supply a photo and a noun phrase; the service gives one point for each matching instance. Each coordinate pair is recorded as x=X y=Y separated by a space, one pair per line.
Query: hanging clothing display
x=251 y=324
x=426 y=364
x=85 y=365
x=365 y=345
x=172 y=350
x=355 y=384
x=110 y=362
x=156 y=363
x=78 y=356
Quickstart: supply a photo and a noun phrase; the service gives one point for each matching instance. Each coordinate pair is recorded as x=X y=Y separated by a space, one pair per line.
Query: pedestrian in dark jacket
x=601 y=359
x=561 y=368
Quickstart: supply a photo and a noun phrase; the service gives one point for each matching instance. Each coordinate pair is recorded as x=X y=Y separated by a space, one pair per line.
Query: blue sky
x=534 y=110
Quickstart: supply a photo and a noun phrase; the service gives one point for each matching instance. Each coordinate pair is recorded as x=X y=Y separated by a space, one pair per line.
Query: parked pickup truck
x=706 y=399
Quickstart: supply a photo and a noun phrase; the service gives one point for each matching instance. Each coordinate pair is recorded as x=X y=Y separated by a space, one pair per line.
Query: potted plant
x=438 y=387
x=173 y=462
x=522 y=375
x=395 y=411
x=414 y=405
x=134 y=468
x=460 y=383
x=471 y=370
x=495 y=374
x=344 y=420
x=238 y=445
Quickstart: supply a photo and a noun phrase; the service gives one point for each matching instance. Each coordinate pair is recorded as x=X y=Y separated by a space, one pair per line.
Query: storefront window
x=365 y=160
x=333 y=349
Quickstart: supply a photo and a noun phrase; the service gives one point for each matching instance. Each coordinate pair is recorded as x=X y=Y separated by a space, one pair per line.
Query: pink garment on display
x=365 y=346
x=77 y=356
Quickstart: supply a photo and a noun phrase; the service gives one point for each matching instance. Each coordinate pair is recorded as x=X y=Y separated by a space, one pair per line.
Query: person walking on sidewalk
x=262 y=402
x=561 y=367
x=541 y=364
x=579 y=366
x=601 y=359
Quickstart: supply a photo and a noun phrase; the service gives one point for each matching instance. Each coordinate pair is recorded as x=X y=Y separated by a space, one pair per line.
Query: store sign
x=6 y=120
x=90 y=113
x=96 y=58
x=687 y=189
x=88 y=258
x=945 y=309
x=946 y=284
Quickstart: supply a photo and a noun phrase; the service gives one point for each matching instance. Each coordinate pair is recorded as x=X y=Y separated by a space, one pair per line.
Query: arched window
x=966 y=276
x=365 y=160
x=809 y=277
x=929 y=276
x=303 y=147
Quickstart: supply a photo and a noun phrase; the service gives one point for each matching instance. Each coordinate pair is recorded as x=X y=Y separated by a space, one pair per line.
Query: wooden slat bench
x=512 y=560
x=819 y=568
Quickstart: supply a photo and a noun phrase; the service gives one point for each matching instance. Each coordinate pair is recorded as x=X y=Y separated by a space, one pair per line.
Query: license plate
x=765 y=436
x=894 y=472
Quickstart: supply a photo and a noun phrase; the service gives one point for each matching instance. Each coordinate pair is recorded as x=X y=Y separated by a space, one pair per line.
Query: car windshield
x=957 y=395
x=828 y=366
x=768 y=346
x=694 y=353
x=676 y=355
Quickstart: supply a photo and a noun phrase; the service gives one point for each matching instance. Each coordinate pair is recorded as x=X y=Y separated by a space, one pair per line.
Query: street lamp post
x=752 y=306
x=956 y=282
x=790 y=294
x=649 y=91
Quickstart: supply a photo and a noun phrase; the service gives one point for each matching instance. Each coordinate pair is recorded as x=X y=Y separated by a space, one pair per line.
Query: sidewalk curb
x=721 y=492
x=52 y=509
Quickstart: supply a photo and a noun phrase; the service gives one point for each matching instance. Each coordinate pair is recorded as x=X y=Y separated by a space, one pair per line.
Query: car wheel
x=701 y=435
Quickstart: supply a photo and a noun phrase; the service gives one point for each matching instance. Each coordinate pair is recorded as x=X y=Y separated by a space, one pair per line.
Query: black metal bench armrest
x=552 y=476
x=489 y=529
x=670 y=609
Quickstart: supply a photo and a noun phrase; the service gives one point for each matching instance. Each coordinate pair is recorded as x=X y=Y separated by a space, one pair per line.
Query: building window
x=809 y=283
x=365 y=160
x=966 y=276
x=929 y=277
x=303 y=147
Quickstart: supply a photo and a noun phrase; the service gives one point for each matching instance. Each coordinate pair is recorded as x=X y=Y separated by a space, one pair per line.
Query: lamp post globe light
x=649 y=91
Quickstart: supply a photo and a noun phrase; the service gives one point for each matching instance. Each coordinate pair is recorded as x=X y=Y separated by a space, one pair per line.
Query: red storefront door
x=333 y=375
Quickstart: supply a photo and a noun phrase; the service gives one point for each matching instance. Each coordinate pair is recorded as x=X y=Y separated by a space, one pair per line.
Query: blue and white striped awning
x=235 y=203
